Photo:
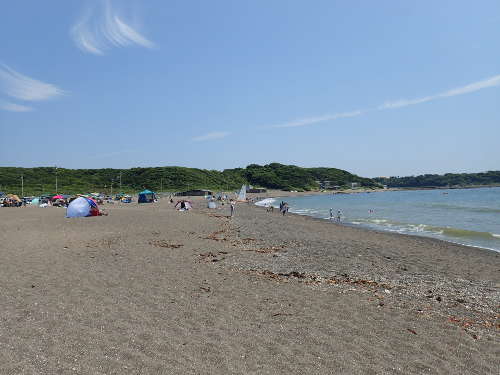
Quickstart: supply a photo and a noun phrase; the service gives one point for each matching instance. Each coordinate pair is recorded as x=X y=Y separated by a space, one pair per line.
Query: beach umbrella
x=59 y=196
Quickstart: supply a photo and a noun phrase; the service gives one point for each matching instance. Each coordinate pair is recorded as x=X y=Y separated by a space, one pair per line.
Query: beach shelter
x=183 y=205
x=146 y=196
x=81 y=207
x=35 y=201
x=58 y=196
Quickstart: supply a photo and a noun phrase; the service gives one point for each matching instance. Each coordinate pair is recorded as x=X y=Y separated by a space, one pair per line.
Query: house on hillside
x=325 y=184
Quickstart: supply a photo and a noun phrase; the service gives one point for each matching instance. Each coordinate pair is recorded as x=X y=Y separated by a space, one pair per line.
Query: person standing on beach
x=339 y=216
x=233 y=207
x=284 y=208
x=331 y=213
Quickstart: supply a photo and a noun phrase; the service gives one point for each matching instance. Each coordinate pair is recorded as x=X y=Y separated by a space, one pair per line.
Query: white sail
x=242 y=196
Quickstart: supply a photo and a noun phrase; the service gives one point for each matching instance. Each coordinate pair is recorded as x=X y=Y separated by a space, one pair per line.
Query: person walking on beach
x=331 y=213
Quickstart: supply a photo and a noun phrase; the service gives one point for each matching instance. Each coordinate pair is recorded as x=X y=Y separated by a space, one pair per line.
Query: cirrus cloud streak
x=99 y=30
x=314 y=120
x=12 y=107
x=19 y=86
x=467 y=89
x=473 y=87
x=211 y=136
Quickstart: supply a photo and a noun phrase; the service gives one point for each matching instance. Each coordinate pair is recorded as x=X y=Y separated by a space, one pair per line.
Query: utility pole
x=161 y=184
x=22 y=186
x=56 y=178
x=111 y=188
x=120 y=182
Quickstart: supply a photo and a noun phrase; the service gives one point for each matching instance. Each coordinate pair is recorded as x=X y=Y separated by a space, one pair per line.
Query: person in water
x=339 y=216
x=331 y=213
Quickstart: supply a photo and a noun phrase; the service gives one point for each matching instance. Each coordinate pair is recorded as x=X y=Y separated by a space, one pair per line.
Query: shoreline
x=366 y=227
x=381 y=231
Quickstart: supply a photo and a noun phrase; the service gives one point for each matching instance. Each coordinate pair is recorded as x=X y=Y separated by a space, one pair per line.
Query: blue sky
x=373 y=87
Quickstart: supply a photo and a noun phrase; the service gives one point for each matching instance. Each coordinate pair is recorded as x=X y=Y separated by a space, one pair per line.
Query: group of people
x=338 y=218
x=11 y=202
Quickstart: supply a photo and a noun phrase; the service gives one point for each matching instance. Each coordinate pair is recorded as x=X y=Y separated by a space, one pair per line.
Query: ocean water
x=466 y=216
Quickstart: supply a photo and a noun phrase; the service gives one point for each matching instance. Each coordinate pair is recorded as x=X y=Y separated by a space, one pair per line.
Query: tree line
x=445 y=180
x=42 y=180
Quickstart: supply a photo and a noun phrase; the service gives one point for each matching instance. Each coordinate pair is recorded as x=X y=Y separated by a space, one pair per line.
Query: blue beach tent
x=82 y=207
x=146 y=196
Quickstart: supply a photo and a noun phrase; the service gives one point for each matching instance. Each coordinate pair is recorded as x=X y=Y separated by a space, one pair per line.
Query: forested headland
x=453 y=180
x=42 y=180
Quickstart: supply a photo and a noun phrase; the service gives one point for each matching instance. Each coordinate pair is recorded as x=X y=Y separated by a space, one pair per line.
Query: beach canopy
x=146 y=196
x=81 y=207
x=13 y=197
x=59 y=196
x=35 y=201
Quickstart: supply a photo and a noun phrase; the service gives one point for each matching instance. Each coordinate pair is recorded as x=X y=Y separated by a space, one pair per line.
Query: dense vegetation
x=446 y=180
x=42 y=180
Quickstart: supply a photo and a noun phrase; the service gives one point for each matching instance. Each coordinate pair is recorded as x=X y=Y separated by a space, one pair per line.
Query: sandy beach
x=150 y=290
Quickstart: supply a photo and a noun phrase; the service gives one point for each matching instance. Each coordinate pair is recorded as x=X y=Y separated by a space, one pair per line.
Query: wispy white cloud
x=314 y=120
x=21 y=87
x=100 y=29
x=211 y=136
x=473 y=87
x=12 y=107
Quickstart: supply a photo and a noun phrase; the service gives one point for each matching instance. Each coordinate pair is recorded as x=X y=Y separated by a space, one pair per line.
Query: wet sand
x=149 y=290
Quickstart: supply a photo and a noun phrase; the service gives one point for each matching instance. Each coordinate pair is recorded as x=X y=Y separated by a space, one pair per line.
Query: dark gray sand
x=149 y=290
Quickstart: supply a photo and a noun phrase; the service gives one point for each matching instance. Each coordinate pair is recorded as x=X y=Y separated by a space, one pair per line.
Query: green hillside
x=445 y=180
x=42 y=180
